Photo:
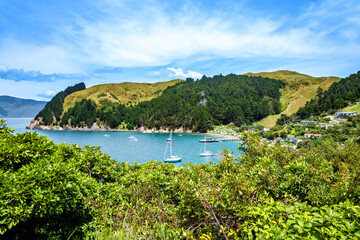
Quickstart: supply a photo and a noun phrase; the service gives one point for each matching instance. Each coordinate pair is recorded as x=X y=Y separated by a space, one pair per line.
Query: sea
x=129 y=146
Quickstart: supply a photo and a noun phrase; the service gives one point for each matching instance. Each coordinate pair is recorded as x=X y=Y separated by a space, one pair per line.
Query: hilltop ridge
x=128 y=93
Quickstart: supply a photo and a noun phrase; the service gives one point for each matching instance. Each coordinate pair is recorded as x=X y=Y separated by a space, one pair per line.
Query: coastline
x=34 y=124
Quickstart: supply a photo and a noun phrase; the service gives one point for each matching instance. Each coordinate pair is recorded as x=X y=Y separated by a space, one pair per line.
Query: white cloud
x=159 y=43
x=152 y=37
x=128 y=34
x=49 y=93
x=178 y=72
x=46 y=58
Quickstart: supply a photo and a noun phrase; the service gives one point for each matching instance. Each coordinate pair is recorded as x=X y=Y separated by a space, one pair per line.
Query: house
x=325 y=125
x=305 y=122
x=293 y=140
x=337 y=122
x=309 y=135
x=346 y=114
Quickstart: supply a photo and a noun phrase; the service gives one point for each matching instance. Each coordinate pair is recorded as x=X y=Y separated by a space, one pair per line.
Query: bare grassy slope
x=125 y=93
x=300 y=88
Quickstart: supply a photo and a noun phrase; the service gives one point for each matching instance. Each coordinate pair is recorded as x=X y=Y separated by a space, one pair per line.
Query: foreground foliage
x=64 y=191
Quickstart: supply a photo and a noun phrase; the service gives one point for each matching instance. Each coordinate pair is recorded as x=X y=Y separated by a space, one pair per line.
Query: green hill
x=188 y=105
x=127 y=93
x=338 y=96
x=300 y=88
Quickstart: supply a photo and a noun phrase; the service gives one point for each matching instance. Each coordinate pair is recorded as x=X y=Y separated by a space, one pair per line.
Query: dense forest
x=336 y=97
x=51 y=191
x=54 y=108
x=192 y=105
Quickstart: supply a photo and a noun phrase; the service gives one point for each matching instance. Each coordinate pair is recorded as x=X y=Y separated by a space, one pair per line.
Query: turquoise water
x=122 y=147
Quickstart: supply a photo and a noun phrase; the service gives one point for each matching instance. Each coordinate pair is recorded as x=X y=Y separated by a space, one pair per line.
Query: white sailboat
x=205 y=153
x=171 y=158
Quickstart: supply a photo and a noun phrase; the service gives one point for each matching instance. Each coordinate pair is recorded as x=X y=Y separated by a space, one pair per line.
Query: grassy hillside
x=352 y=108
x=126 y=93
x=300 y=88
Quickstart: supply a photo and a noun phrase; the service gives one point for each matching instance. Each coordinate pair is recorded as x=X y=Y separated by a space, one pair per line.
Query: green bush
x=51 y=191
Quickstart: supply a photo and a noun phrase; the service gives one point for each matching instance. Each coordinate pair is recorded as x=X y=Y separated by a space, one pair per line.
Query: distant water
x=122 y=147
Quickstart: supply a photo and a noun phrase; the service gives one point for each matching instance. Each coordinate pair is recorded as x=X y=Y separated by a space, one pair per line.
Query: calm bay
x=128 y=146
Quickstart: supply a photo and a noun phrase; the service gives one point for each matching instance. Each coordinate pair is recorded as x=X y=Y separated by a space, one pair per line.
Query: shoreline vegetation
x=34 y=125
x=54 y=191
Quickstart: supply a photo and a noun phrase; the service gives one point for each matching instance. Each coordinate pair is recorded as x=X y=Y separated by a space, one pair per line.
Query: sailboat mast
x=171 y=143
x=205 y=144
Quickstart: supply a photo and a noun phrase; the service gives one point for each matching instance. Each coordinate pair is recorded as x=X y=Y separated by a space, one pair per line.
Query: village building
x=346 y=114
x=293 y=140
x=325 y=125
x=309 y=135
x=306 y=122
x=337 y=122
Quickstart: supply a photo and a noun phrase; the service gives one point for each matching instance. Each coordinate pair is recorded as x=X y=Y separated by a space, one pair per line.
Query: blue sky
x=46 y=46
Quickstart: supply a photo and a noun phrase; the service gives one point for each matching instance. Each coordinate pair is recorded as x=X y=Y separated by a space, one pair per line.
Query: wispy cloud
x=115 y=35
x=47 y=58
x=150 y=36
x=20 y=75
x=178 y=72
x=46 y=94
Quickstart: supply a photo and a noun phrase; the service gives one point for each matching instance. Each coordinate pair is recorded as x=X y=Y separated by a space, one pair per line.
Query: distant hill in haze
x=12 y=107
x=300 y=88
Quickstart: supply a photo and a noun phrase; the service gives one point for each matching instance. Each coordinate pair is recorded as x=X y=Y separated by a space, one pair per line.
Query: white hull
x=173 y=159
x=206 y=154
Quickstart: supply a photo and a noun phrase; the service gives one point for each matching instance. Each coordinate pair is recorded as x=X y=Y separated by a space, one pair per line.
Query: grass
x=125 y=93
x=225 y=128
x=300 y=88
x=352 y=108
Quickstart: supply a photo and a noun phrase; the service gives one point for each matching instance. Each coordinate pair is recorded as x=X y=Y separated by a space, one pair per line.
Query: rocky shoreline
x=35 y=124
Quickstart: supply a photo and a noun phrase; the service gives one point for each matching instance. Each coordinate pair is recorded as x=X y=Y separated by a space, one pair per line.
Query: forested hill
x=53 y=109
x=196 y=105
x=190 y=105
x=336 y=97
